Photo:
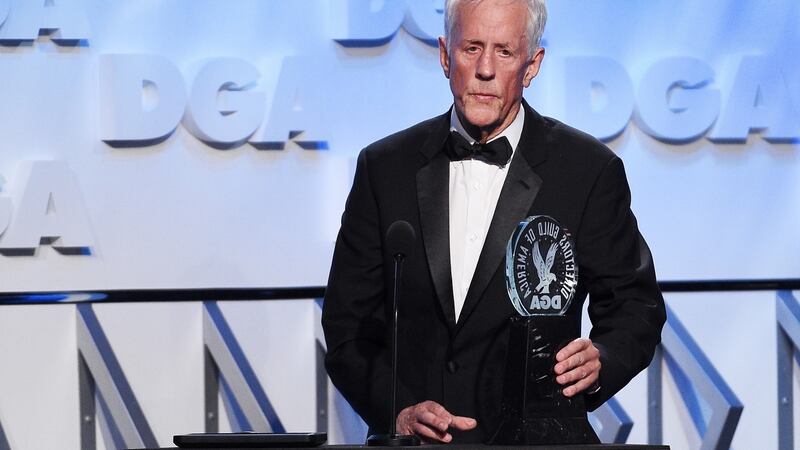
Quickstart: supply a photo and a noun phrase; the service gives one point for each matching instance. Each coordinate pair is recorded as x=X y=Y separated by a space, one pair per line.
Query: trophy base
x=545 y=431
x=534 y=410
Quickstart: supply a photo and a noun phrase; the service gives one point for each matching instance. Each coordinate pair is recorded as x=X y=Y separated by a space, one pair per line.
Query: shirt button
x=473 y=236
x=477 y=186
x=452 y=366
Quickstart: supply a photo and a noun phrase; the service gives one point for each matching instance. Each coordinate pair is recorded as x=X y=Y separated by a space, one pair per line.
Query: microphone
x=400 y=239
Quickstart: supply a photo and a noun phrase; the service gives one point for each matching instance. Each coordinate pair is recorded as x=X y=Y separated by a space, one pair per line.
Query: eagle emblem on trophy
x=541 y=272
x=543 y=267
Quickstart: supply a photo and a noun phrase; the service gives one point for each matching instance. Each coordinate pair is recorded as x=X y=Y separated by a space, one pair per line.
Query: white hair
x=537 y=17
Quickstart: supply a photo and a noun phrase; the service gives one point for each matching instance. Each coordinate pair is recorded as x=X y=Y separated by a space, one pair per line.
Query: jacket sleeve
x=625 y=304
x=354 y=318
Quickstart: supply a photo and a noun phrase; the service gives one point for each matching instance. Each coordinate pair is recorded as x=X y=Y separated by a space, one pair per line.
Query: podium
x=463 y=447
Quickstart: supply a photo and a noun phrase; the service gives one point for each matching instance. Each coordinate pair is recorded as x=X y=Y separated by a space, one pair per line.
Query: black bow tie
x=496 y=152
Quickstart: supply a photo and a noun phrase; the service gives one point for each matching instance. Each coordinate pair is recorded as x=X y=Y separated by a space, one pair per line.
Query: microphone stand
x=393 y=439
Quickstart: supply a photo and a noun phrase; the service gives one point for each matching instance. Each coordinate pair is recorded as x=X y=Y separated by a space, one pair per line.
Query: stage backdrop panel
x=183 y=144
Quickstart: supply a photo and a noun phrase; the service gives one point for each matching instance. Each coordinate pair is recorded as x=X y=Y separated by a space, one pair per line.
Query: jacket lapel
x=433 y=199
x=516 y=199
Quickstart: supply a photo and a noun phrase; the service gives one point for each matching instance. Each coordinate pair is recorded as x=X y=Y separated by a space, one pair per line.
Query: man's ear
x=444 y=58
x=533 y=66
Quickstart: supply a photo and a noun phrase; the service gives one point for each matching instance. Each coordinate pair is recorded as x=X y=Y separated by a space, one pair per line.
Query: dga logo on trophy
x=541 y=274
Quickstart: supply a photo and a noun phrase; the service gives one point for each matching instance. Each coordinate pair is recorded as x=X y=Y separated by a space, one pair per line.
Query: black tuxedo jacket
x=555 y=171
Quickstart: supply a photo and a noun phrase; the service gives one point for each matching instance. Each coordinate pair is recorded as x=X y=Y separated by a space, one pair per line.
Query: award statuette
x=541 y=276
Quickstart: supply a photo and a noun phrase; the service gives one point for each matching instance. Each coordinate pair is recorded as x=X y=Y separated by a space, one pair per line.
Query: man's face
x=488 y=65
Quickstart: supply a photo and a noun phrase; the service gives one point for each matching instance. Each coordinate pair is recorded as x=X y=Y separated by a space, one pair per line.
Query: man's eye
x=472 y=49
x=505 y=52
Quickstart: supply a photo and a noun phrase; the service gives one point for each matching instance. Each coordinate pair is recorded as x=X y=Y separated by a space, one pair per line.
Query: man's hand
x=430 y=421
x=578 y=366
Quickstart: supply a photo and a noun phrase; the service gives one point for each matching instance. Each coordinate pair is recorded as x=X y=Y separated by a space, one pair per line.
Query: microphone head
x=400 y=238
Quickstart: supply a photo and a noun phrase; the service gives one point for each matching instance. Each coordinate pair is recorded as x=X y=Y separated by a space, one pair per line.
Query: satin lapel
x=433 y=198
x=516 y=199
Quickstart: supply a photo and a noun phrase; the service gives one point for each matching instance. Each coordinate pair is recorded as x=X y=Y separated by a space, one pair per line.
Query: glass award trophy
x=542 y=277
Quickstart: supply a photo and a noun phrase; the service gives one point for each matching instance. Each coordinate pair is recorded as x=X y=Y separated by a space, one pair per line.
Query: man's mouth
x=483 y=97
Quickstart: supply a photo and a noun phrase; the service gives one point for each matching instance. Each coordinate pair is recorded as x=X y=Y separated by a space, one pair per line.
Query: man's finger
x=430 y=434
x=580 y=386
x=569 y=364
x=580 y=379
x=572 y=348
x=432 y=420
x=576 y=360
x=591 y=368
x=587 y=354
x=463 y=423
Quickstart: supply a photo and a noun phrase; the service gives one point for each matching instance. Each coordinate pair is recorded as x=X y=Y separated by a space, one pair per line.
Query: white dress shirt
x=474 y=190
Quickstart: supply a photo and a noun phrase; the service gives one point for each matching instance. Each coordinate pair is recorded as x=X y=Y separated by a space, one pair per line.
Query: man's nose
x=485 y=69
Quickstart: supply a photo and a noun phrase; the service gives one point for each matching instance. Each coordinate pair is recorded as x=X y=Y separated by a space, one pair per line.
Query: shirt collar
x=513 y=132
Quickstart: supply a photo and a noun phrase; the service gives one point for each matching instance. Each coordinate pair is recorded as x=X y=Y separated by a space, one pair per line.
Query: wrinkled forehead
x=491 y=21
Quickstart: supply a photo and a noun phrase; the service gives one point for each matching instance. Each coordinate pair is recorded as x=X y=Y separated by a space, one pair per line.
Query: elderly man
x=453 y=321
